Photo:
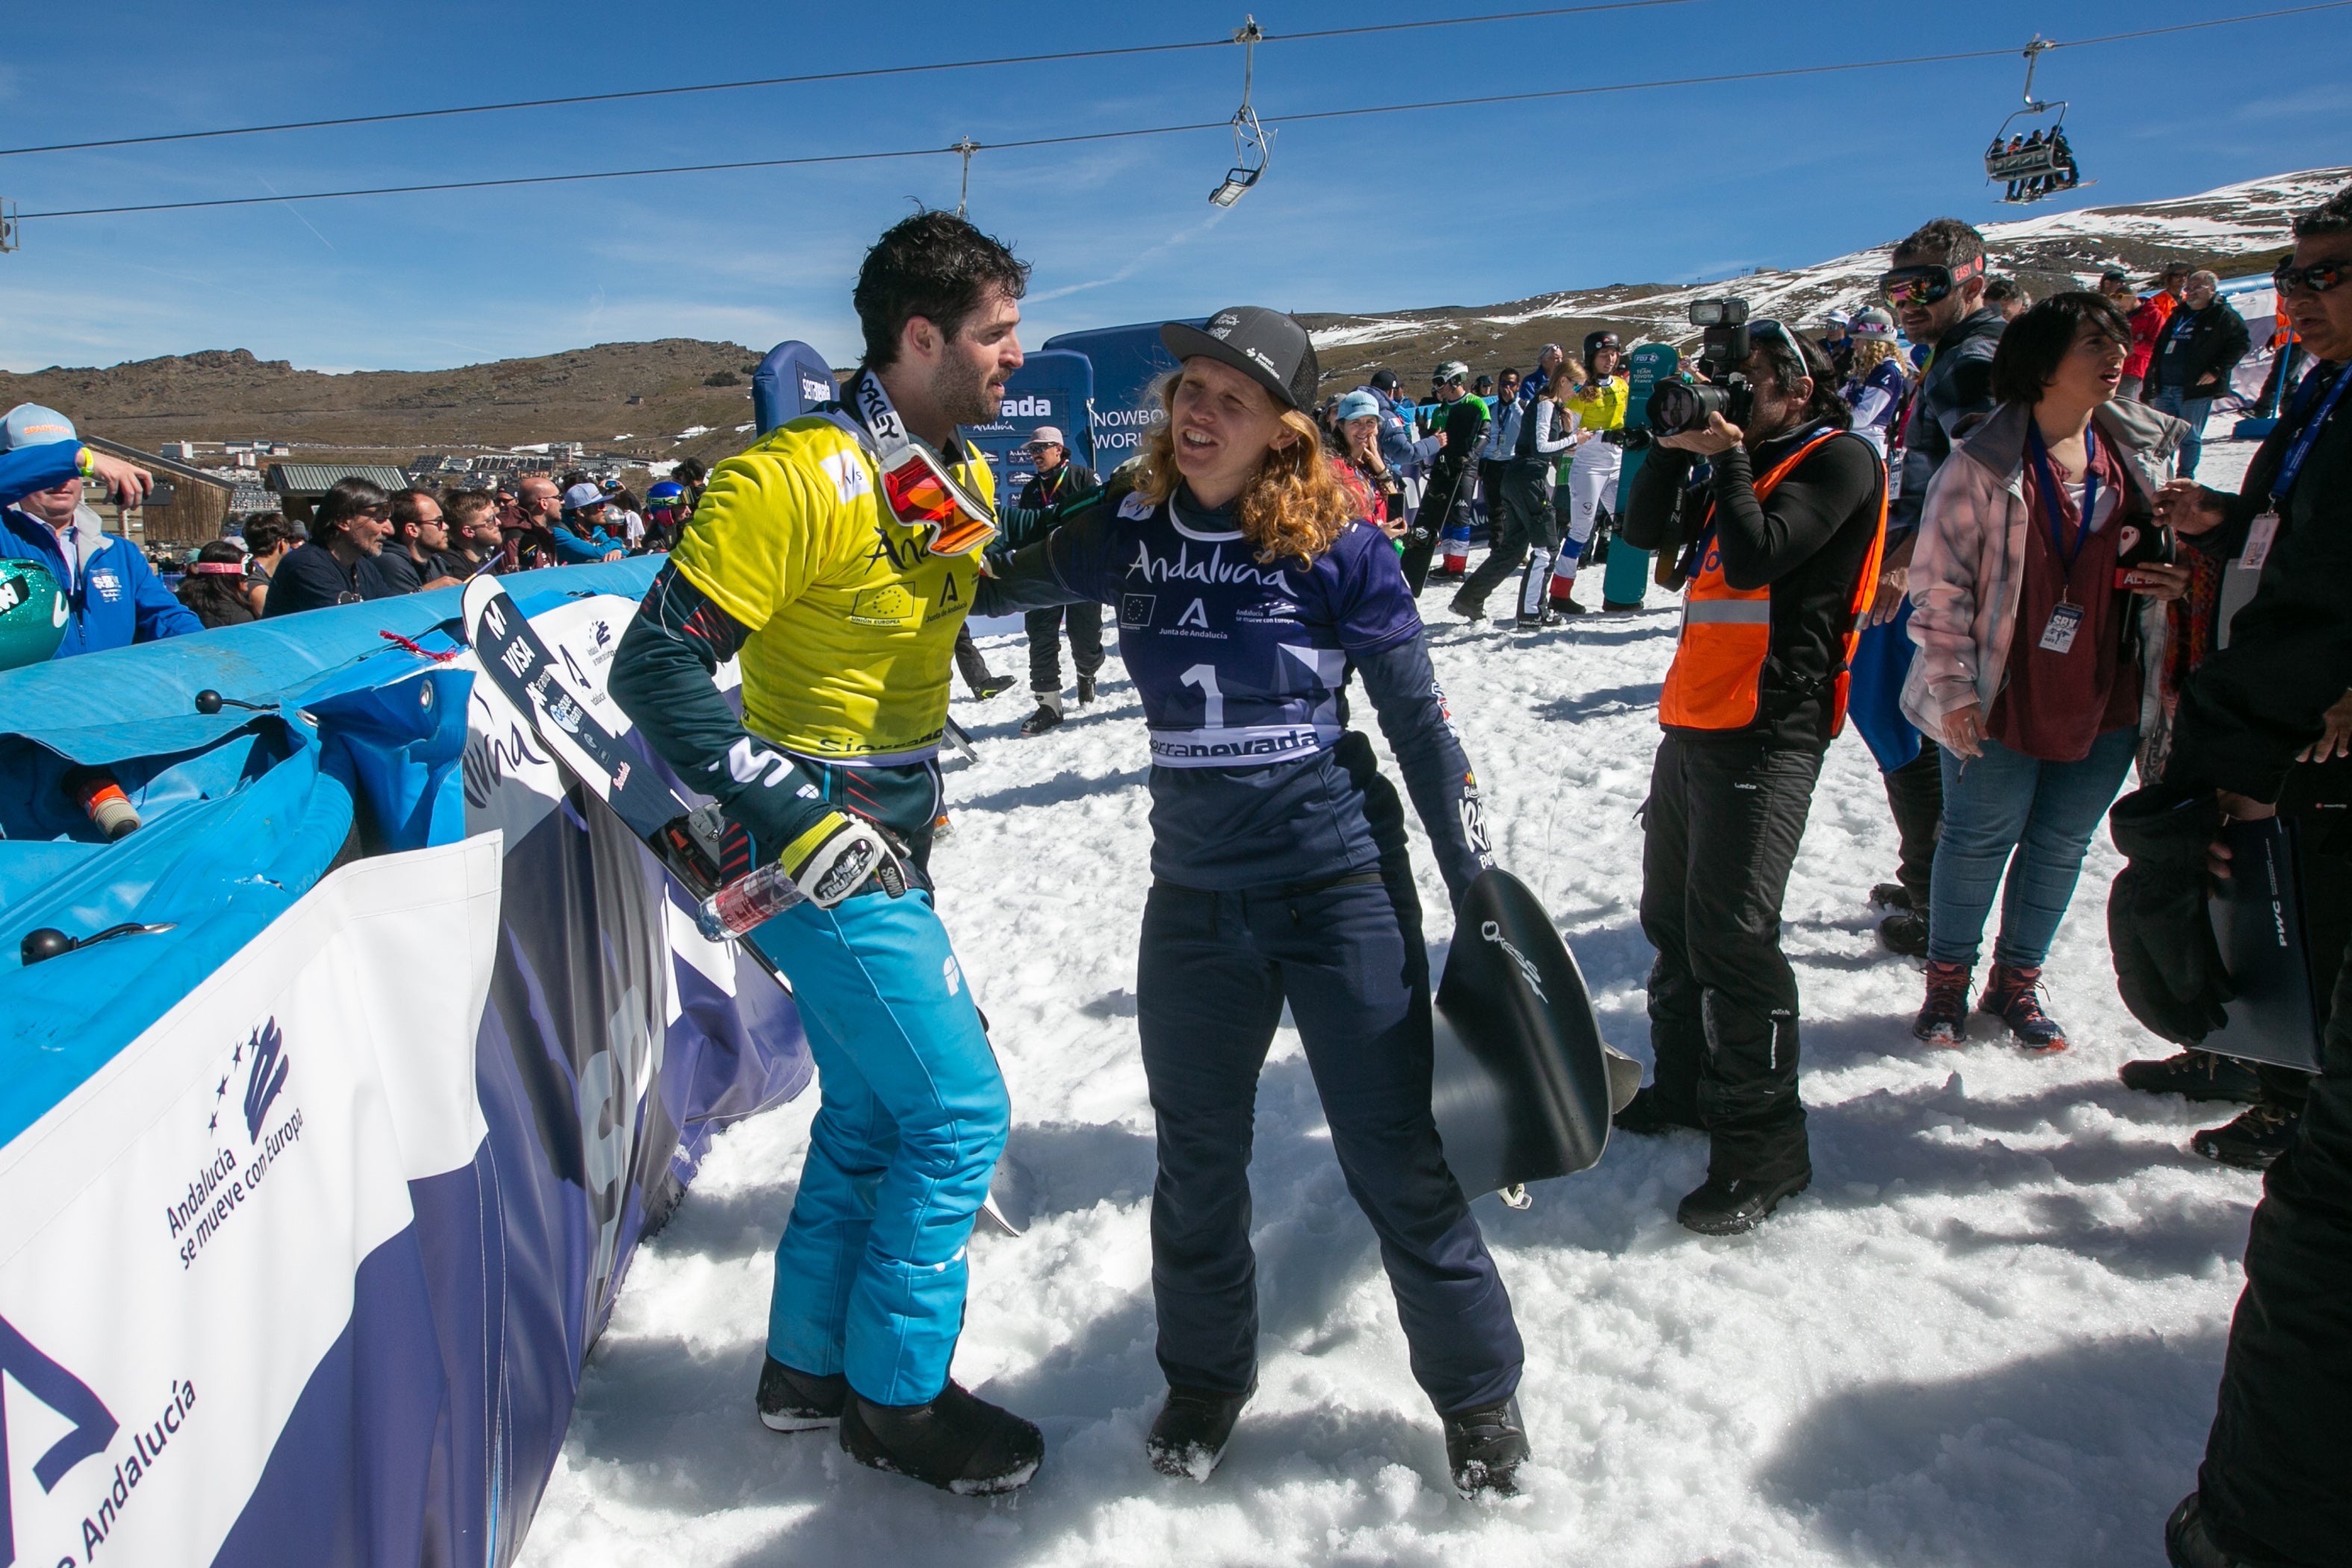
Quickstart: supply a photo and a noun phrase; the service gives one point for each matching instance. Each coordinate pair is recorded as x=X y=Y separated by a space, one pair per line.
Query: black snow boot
x=1726 y=1205
x=1891 y=896
x=1048 y=714
x=2188 y=1545
x=1188 y=1435
x=1468 y=609
x=1484 y=1449
x=959 y=1443
x=796 y=1401
x=1647 y=1115
x=1904 y=932
x=1086 y=690
x=2195 y=1075
x=2253 y=1142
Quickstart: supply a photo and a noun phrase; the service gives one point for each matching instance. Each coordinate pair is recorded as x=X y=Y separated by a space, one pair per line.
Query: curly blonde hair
x=1293 y=506
x=1867 y=356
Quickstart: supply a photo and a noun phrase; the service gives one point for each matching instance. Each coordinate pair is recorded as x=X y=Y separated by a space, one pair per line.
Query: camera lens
x=1678 y=406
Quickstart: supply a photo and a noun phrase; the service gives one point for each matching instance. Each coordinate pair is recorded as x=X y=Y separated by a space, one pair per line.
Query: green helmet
x=32 y=614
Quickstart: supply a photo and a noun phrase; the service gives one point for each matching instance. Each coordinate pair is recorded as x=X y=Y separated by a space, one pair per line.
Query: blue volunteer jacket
x=115 y=598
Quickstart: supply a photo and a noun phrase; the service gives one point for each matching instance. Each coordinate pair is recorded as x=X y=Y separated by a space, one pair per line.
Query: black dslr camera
x=1678 y=406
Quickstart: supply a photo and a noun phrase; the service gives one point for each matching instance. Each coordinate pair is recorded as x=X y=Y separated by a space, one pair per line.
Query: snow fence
x=313 y=1204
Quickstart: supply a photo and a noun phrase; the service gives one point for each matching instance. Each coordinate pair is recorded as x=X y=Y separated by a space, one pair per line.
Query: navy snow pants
x=1214 y=972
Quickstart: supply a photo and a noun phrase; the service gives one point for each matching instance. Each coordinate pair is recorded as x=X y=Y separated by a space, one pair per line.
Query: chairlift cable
x=2005 y=52
x=1055 y=57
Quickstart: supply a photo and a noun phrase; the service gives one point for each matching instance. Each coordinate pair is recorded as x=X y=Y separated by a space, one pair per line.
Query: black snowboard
x=696 y=845
x=1522 y=1083
x=2259 y=925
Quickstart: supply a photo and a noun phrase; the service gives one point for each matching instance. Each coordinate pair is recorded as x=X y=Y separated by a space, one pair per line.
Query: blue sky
x=1460 y=206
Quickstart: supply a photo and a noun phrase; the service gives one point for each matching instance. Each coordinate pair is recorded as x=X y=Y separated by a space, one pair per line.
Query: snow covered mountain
x=2233 y=230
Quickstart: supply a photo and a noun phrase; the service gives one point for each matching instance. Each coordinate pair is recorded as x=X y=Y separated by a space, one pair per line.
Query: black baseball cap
x=1267 y=347
x=1385 y=379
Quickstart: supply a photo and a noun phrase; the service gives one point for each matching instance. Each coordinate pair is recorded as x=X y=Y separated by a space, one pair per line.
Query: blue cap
x=583 y=495
x=1357 y=405
x=30 y=425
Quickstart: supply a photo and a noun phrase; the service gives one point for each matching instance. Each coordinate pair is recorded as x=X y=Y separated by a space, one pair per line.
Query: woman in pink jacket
x=2035 y=656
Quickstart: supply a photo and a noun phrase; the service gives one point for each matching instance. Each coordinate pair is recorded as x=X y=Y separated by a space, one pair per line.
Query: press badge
x=2259 y=538
x=2065 y=620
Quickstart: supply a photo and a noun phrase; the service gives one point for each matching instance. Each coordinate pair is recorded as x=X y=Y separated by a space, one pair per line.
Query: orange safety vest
x=1718 y=668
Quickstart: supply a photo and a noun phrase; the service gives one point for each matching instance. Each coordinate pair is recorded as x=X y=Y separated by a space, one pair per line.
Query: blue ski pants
x=1214 y=972
x=870 y=1272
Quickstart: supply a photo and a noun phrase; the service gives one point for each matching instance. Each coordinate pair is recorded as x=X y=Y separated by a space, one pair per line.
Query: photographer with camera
x=1779 y=542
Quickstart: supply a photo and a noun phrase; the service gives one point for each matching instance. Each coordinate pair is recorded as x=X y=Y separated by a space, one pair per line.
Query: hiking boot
x=1904 y=932
x=989 y=685
x=1188 y=1435
x=1943 y=1019
x=1468 y=609
x=2014 y=996
x=1726 y=1205
x=1484 y=1449
x=1086 y=690
x=2195 y=1075
x=1647 y=1115
x=1891 y=896
x=959 y=1443
x=795 y=1401
x=1048 y=716
x=1567 y=605
x=2253 y=1142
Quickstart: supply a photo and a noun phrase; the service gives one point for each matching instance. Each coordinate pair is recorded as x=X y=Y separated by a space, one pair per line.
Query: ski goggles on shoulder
x=924 y=495
x=2319 y=277
x=1926 y=285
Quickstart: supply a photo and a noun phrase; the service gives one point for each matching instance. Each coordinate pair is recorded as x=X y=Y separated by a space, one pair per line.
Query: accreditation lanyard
x=2066 y=616
x=2262 y=532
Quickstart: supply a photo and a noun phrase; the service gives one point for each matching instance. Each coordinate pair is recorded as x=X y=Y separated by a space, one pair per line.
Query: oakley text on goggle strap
x=2319 y=277
x=1927 y=285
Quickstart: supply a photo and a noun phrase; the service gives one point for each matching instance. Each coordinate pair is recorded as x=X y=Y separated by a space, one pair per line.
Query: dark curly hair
x=933 y=265
x=2040 y=338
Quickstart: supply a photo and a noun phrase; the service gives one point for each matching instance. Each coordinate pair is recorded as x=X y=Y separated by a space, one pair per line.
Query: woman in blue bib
x=1248 y=591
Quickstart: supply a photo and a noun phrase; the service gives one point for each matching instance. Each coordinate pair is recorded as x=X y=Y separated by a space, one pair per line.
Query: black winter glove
x=2167 y=965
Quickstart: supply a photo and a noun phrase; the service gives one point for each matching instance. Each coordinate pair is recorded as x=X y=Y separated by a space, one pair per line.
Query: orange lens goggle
x=922 y=494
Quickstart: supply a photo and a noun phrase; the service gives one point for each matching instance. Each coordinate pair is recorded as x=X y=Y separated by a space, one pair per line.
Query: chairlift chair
x=1253 y=147
x=2038 y=164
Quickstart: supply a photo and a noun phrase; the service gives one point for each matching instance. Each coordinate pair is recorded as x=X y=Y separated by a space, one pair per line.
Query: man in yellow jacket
x=837 y=559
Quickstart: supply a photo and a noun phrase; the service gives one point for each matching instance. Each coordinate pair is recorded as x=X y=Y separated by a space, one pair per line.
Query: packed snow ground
x=1990 y=1334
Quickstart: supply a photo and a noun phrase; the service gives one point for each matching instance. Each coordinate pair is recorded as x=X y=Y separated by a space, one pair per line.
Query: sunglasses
x=2319 y=277
x=1926 y=285
x=922 y=493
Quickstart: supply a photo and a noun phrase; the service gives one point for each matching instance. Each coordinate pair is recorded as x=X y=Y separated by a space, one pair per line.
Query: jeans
x=2174 y=401
x=1044 y=628
x=2006 y=811
x=1210 y=982
x=1718 y=836
x=912 y=1114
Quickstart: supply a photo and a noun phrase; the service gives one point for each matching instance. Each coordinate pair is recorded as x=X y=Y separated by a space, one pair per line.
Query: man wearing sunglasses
x=838 y=557
x=2271 y=1489
x=2201 y=344
x=1936 y=285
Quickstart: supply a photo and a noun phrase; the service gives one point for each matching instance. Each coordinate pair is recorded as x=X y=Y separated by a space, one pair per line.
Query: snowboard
x=2258 y=924
x=1522 y=1085
x=692 y=843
